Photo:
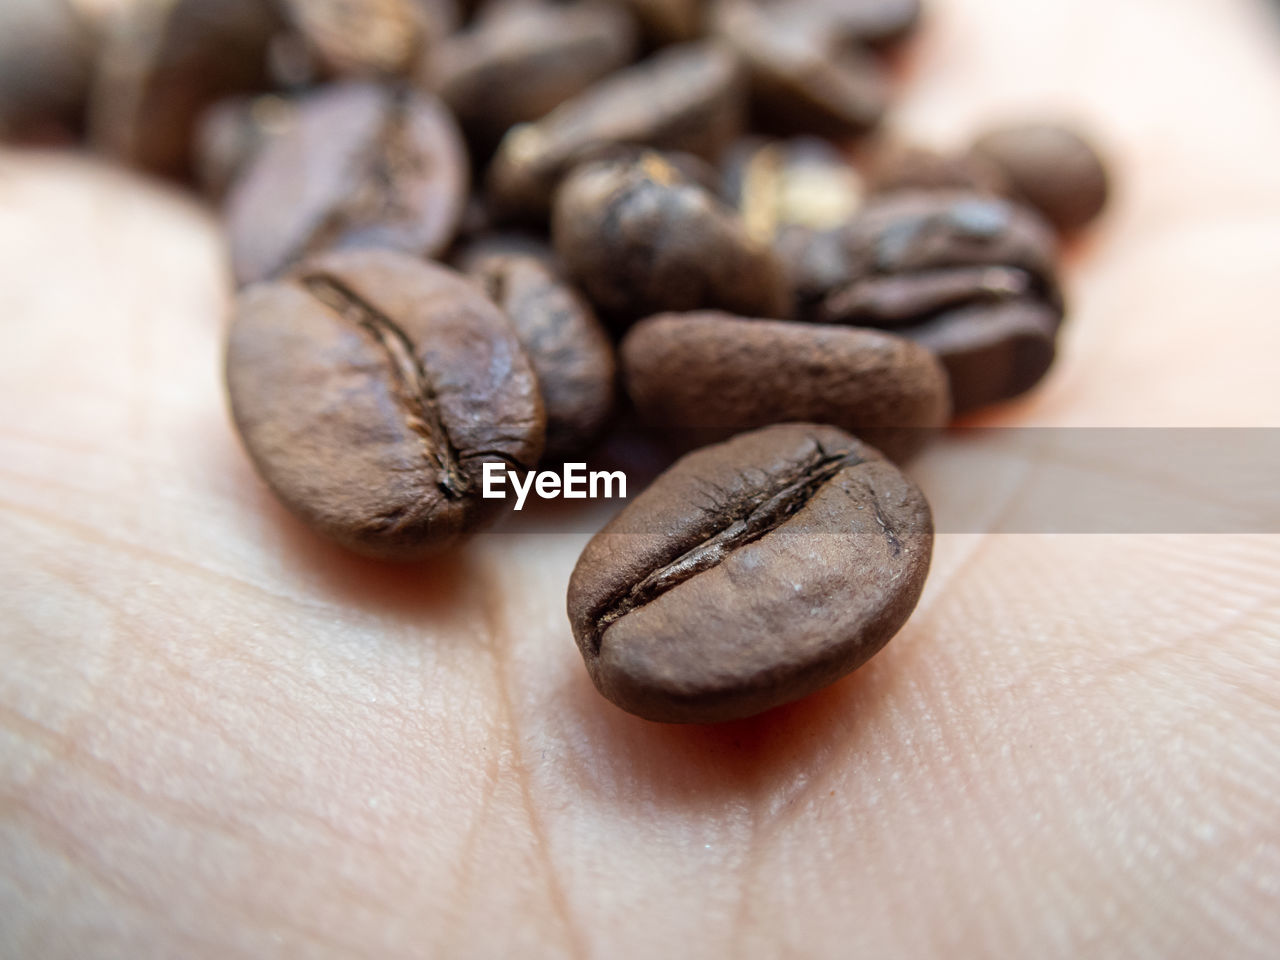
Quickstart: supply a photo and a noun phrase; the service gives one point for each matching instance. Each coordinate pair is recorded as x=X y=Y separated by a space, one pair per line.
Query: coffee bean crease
x=413 y=388
x=758 y=516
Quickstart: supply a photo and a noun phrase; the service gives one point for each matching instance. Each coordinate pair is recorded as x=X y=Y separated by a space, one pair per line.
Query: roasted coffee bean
x=163 y=64
x=687 y=98
x=992 y=352
x=639 y=238
x=1051 y=167
x=231 y=133
x=566 y=345
x=46 y=55
x=365 y=38
x=370 y=388
x=895 y=166
x=776 y=185
x=695 y=377
x=750 y=574
x=971 y=277
x=801 y=81
x=914 y=235
x=669 y=21
x=521 y=60
x=363 y=166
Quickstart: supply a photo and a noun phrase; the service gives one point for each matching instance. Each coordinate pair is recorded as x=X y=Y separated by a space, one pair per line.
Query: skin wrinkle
x=496 y=622
x=887 y=866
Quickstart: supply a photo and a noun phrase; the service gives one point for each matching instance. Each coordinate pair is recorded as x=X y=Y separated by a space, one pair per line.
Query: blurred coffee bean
x=698 y=377
x=46 y=55
x=896 y=166
x=805 y=182
x=801 y=80
x=231 y=133
x=163 y=63
x=639 y=238
x=969 y=276
x=566 y=345
x=520 y=60
x=1051 y=167
x=992 y=352
x=363 y=38
x=689 y=98
x=362 y=166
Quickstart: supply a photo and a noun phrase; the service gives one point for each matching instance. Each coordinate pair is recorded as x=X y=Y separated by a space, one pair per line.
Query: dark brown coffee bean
x=370 y=388
x=968 y=276
x=775 y=185
x=231 y=133
x=362 y=166
x=521 y=60
x=46 y=55
x=163 y=64
x=750 y=574
x=669 y=21
x=992 y=352
x=695 y=377
x=638 y=238
x=364 y=38
x=687 y=98
x=566 y=345
x=895 y=167
x=801 y=80
x=1051 y=167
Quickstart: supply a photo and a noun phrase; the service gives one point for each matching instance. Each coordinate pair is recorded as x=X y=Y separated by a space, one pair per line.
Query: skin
x=222 y=738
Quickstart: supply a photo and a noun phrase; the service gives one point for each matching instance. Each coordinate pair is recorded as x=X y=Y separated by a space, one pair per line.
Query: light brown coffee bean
x=1051 y=167
x=750 y=574
x=370 y=389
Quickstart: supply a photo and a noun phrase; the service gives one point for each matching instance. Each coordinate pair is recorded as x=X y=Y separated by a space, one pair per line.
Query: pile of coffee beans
x=479 y=233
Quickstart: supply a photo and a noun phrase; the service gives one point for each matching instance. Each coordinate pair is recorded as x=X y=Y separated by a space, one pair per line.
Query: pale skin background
x=220 y=737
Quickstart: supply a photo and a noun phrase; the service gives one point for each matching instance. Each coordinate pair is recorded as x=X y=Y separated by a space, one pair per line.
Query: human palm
x=222 y=737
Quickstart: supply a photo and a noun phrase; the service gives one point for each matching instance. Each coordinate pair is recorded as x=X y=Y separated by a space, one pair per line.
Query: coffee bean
x=895 y=166
x=363 y=166
x=968 y=276
x=1051 y=167
x=694 y=377
x=231 y=133
x=639 y=238
x=775 y=185
x=521 y=60
x=364 y=38
x=992 y=352
x=163 y=64
x=46 y=54
x=687 y=98
x=370 y=388
x=669 y=21
x=750 y=574
x=801 y=80
x=566 y=345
